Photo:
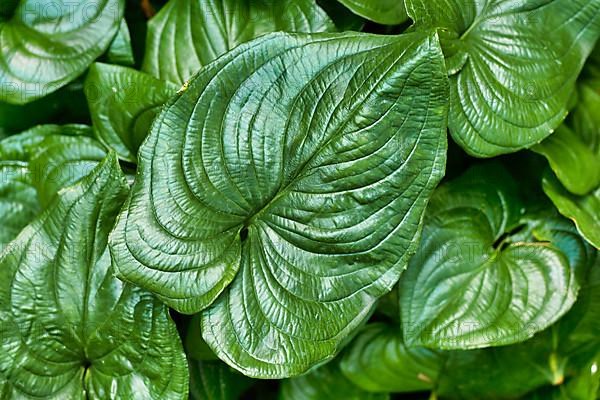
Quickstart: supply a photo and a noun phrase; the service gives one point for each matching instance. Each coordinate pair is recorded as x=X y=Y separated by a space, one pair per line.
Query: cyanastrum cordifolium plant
x=300 y=199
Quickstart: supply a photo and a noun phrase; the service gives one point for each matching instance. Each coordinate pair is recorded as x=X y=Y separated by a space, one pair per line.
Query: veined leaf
x=386 y=12
x=188 y=34
x=46 y=44
x=486 y=273
x=326 y=382
x=303 y=178
x=98 y=338
x=379 y=361
x=123 y=102
x=513 y=65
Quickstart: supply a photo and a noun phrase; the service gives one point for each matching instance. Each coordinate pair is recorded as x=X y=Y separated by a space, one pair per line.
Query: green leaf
x=46 y=44
x=188 y=34
x=486 y=273
x=326 y=382
x=214 y=380
x=60 y=161
x=583 y=210
x=69 y=328
x=123 y=103
x=343 y=18
x=312 y=187
x=120 y=50
x=18 y=199
x=574 y=163
x=379 y=361
x=513 y=65
x=386 y=12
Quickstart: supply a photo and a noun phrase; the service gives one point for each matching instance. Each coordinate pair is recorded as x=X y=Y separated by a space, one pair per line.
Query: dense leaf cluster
x=296 y=199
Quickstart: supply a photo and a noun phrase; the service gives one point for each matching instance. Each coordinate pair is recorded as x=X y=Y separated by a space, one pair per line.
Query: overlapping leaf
x=69 y=328
x=46 y=44
x=513 y=65
x=188 y=34
x=487 y=272
x=313 y=206
x=184 y=36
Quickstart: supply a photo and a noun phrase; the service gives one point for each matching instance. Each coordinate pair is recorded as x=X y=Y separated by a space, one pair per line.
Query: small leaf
x=574 y=163
x=484 y=275
x=69 y=328
x=386 y=12
x=123 y=103
x=312 y=187
x=18 y=200
x=214 y=380
x=326 y=382
x=583 y=210
x=379 y=361
x=188 y=34
x=120 y=50
x=513 y=64
x=46 y=44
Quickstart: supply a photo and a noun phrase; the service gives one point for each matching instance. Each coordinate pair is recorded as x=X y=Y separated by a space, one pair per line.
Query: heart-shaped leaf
x=485 y=274
x=386 y=12
x=317 y=203
x=513 y=65
x=188 y=34
x=46 y=44
x=69 y=328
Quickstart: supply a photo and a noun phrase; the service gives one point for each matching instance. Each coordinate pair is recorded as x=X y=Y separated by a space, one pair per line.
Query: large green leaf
x=513 y=65
x=188 y=34
x=379 y=361
x=583 y=210
x=46 y=44
x=387 y=12
x=123 y=102
x=326 y=382
x=487 y=273
x=120 y=50
x=308 y=175
x=69 y=328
